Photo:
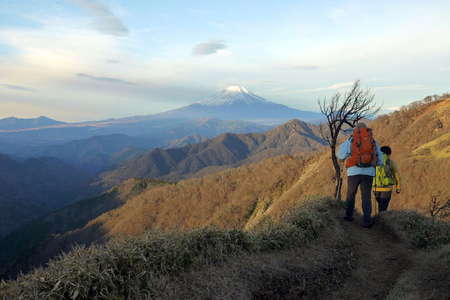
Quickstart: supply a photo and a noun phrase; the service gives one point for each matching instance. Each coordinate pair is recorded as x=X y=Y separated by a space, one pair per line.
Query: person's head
x=386 y=150
x=361 y=125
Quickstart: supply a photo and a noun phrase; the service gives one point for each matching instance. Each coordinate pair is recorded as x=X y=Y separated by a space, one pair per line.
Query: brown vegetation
x=428 y=277
x=422 y=174
x=281 y=260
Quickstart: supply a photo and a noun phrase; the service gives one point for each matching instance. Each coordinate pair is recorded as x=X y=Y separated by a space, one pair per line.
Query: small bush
x=416 y=229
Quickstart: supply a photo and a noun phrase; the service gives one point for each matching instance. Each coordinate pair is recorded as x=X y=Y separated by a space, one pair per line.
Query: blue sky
x=93 y=59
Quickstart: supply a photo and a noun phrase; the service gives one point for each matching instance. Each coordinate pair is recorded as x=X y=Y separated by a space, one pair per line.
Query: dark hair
x=386 y=149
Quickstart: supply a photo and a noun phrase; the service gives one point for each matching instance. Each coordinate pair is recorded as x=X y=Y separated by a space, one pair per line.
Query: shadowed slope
x=22 y=247
x=34 y=187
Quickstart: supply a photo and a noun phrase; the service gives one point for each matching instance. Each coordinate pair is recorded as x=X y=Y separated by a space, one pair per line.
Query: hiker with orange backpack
x=387 y=177
x=362 y=155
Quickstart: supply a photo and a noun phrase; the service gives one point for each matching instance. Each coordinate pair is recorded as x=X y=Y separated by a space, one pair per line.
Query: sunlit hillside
x=234 y=197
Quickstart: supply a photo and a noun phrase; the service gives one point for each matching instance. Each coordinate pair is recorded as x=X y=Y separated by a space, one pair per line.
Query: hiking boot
x=348 y=219
x=367 y=224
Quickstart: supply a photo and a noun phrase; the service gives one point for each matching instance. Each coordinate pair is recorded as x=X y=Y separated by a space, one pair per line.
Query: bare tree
x=342 y=110
x=439 y=209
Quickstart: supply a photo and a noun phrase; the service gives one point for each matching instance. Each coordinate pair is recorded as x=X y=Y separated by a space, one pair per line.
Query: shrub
x=416 y=229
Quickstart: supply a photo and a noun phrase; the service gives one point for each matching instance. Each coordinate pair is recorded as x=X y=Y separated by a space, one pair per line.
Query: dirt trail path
x=380 y=262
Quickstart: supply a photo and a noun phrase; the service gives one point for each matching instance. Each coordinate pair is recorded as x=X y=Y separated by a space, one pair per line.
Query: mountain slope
x=417 y=135
x=237 y=103
x=13 y=123
x=18 y=247
x=33 y=187
x=225 y=150
x=98 y=153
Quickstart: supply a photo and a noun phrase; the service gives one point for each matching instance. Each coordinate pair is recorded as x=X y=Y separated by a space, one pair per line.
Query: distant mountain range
x=223 y=151
x=95 y=147
x=233 y=110
x=17 y=123
x=237 y=103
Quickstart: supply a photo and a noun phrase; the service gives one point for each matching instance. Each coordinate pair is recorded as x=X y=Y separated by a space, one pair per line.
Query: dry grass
x=415 y=229
x=141 y=267
x=429 y=278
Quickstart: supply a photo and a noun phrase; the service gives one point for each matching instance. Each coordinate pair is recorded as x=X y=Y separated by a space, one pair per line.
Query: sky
x=76 y=60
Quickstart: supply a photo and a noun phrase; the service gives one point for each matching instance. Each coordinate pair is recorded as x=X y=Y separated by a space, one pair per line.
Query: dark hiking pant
x=365 y=184
x=383 y=199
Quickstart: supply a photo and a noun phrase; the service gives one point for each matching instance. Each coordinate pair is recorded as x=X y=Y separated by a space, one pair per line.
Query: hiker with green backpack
x=386 y=179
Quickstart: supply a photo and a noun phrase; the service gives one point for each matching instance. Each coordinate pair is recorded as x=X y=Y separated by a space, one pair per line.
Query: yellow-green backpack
x=385 y=173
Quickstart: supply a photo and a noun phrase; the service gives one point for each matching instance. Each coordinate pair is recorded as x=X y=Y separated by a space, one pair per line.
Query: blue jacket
x=345 y=151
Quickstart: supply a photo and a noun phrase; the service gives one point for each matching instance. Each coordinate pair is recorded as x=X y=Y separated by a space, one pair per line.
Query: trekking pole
x=374 y=192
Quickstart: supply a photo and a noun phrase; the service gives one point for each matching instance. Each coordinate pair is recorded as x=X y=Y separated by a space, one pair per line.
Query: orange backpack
x=363 y=149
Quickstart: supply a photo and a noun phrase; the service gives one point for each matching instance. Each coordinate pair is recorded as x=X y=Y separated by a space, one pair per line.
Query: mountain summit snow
x=237 y=103
x=231 y=95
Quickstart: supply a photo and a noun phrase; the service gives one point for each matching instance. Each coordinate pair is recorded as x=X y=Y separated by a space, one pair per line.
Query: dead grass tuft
x=416 y=229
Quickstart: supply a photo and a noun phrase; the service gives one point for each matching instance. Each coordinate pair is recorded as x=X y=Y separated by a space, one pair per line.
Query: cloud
x=113 y=61
x=335 y=86
x=405 y=87
x=16 y=87
x=105 y=21
x=105 y=79
x=208 y=48
x=301 y=67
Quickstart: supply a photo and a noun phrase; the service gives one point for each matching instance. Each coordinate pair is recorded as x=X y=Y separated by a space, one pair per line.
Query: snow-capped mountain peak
x=233 y=94
x=236 y=89
x=237 y=103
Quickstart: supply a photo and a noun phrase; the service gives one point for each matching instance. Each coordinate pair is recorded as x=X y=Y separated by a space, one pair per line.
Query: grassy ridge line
x=299 y=273
x=429 y=278
x=128 y=268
